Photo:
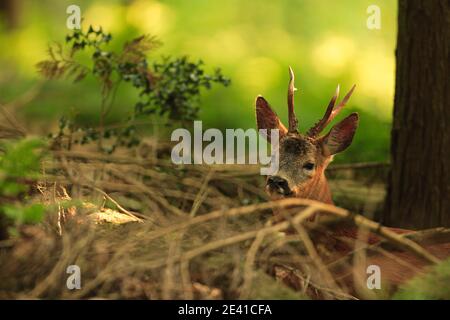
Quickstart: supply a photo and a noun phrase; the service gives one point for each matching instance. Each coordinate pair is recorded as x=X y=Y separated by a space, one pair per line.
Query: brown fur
x=297 y=151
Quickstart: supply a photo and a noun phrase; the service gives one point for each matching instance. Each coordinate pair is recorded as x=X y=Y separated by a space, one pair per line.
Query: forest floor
x=139 y=227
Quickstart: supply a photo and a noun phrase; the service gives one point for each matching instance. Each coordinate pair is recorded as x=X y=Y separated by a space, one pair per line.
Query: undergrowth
x=19 y=169
x=169 y=86
x=140 y=227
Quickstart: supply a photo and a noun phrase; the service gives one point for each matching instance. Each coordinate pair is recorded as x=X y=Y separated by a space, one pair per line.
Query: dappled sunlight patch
x=109 y=16
x=150 y=17
x=376 y=80
x=111 y=216
x=332 y=55
x=27 y=48
x=258 y=74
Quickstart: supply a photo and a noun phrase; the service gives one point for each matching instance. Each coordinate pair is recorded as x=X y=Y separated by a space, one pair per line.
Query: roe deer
x=303 y=159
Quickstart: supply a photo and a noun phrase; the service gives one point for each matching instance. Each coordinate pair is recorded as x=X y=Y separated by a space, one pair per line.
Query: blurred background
x=253 y=42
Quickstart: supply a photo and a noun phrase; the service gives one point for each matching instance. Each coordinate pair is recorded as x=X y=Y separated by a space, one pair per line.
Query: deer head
x=303 y=158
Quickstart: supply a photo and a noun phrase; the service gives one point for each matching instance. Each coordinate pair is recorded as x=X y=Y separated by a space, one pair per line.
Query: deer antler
x=330 y=113
x=292 y=118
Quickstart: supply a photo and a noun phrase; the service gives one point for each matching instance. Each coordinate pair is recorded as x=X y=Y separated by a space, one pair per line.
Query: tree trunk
x=419 y=182
x=9 y=12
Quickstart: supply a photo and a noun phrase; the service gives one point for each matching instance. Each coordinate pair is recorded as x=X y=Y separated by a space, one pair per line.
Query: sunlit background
x=253 y=42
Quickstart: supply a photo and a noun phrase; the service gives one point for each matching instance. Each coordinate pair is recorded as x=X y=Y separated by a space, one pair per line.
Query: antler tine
x=345 y=100
x=319 y=126
x=293 y=122
x=331 y=112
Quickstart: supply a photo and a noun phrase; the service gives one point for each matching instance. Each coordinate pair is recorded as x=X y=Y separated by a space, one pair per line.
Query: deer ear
x=266 y=118
x=340 y=136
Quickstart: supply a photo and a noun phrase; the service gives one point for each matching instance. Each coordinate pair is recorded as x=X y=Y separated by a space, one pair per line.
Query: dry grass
x=202 y=232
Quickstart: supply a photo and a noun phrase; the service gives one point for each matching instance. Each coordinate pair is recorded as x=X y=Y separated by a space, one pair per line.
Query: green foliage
x=253 y=42
x=26 y=214
x=19 y=164
x=171 y=87
x=178 y=88
x=432 y=286
x=20 y=159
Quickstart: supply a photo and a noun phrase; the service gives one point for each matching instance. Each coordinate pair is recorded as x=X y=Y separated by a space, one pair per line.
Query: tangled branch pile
x=174 y=232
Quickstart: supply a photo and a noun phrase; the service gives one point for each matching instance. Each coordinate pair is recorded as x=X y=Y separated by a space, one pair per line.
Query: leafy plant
x=177 y=88
x=170 y=87
x=19 y=165
x=432 y=286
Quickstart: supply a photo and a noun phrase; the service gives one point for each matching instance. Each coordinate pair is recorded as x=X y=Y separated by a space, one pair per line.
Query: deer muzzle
x=277 y=184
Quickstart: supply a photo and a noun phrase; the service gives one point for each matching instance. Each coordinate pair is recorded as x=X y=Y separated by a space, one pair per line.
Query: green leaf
x=24 y=215
x=13 y=213
x=11 y=189
x=432 y=286
x=33 y=213
x=21 y=159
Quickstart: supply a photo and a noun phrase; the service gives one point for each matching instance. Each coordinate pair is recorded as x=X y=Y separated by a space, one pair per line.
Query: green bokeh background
x=252 y=41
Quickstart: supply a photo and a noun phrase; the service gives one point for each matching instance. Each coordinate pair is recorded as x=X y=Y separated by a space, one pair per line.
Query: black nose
x=278 y=183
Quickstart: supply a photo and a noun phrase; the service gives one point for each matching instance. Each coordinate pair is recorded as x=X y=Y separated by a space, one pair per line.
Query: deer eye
x=308 y=166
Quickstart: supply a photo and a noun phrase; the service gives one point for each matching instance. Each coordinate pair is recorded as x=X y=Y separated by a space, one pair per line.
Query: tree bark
x=419 y=187
x=9 y=11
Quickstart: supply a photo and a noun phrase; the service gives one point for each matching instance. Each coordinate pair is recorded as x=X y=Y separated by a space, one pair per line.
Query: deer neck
x=316 y=189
